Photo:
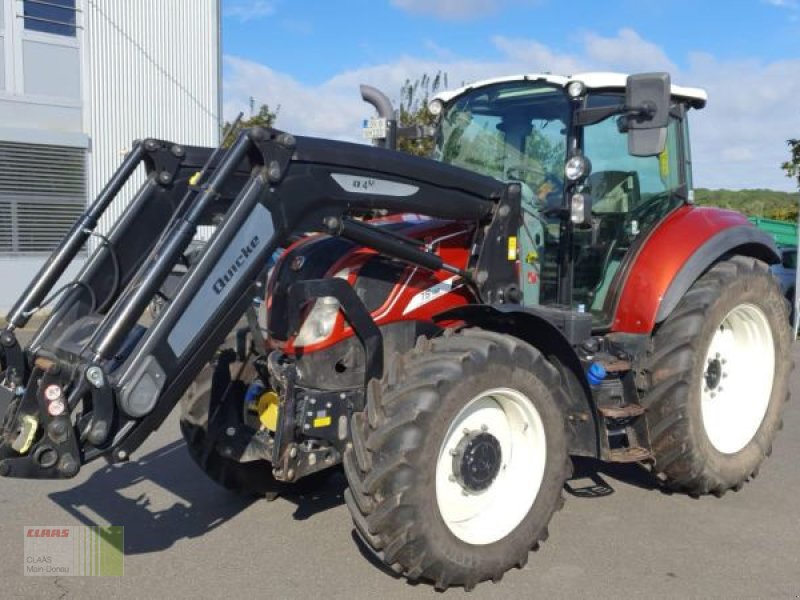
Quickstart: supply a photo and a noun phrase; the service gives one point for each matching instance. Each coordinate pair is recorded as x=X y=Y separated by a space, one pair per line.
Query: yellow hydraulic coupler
x=267 y=409
x=24 y=440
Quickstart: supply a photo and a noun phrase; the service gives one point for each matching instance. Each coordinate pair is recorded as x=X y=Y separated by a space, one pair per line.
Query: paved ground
x=187 y=539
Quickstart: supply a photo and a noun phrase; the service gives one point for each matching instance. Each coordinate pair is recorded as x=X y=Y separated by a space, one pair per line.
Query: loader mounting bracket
x=56 y=454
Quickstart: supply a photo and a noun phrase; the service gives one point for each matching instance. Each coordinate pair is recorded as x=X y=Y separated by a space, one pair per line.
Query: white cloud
x=537 y=56
x=627 y=52
x=790 y=4
x=248 y=10
x=738 y=140
x=324 y=111
x=457 y=9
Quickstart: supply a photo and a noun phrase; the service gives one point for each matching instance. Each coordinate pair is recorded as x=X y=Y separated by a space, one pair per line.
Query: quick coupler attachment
x=311 y=429
x=38 y=438
x=55 y=424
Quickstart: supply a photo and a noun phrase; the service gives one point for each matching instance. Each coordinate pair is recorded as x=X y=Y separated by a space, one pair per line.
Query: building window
x=50 y=16
x=42 y=193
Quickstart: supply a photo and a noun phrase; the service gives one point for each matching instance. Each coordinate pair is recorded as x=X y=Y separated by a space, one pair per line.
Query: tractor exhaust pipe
x=383 y=105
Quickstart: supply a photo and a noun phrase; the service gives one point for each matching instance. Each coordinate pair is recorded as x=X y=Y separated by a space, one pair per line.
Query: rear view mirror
x=648 y=100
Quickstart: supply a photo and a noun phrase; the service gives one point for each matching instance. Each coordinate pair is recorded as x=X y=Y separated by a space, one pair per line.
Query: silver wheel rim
x=485 y=516
x=736 y=387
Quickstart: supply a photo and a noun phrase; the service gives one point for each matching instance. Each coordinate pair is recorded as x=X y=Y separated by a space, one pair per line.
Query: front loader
x=450 y=331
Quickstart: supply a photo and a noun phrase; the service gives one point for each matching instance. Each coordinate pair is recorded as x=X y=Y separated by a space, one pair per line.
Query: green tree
x=414 y=98
x=753 y=203
x=263 y=117
x=792 y=166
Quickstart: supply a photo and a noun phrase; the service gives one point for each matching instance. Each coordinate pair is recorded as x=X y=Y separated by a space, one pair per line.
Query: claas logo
x=47 y=533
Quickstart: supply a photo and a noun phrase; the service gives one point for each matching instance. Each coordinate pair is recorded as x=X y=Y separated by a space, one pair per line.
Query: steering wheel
x=649 y=212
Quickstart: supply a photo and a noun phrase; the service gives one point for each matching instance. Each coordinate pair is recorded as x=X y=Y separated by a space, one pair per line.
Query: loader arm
x=97 y=378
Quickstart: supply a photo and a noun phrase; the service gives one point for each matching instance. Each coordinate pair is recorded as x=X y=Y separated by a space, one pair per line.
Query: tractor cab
x=595 y=175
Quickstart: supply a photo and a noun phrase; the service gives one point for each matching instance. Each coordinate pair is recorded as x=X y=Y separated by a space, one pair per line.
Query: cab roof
x=596 y=80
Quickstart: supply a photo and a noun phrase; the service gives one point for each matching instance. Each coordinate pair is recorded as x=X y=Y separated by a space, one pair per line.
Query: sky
x=309 y=57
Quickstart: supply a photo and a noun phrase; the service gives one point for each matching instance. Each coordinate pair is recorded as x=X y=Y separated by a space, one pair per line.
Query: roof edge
x=594 y=80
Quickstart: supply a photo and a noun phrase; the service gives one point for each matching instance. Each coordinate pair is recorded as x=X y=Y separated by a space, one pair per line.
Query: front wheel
x=248 y=479
x=717 y=377
x=459 y=460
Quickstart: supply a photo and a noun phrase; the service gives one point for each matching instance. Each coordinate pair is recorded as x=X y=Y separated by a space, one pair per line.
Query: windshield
x=510 y=131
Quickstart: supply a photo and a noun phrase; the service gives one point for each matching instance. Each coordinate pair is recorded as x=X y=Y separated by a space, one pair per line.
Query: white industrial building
x=79 y=81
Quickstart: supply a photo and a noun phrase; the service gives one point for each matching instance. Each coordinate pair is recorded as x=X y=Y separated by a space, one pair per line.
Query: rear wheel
x=459 y=460
x=717 y=378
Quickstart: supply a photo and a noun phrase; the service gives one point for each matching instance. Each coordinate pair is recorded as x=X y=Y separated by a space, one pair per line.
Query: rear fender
x=580 y=413
x=683 y=247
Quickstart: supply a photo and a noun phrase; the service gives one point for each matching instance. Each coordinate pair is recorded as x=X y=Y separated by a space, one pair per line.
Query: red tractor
x=451 y=331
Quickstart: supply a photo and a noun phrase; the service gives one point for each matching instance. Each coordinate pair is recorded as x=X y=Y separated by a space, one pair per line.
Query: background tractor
x=451 y=331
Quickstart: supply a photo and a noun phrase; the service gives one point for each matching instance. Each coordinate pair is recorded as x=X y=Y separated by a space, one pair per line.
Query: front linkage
x=97 y=379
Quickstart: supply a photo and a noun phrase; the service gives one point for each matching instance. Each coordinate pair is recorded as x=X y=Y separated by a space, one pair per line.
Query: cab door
x=630 y=196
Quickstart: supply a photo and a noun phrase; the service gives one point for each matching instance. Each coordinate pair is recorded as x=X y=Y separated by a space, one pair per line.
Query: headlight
x=319 y=322
x=577 y=167
x=576 y=89
x=321 y=318
x=436 y=106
